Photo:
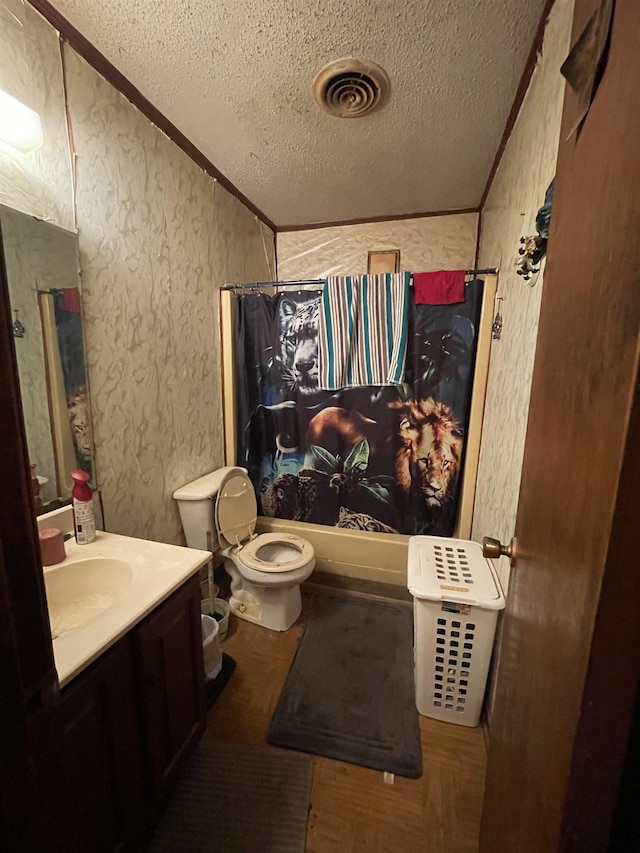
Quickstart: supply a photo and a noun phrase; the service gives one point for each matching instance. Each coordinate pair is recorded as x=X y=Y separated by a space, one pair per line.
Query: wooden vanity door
x=102 y=753
x=170 y=665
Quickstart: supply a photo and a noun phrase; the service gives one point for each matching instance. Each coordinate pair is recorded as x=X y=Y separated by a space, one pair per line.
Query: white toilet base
x=273 y=607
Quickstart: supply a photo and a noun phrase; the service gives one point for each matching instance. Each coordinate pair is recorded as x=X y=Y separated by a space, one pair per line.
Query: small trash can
x=211 y=649
x=221 y=615
x=457 y=596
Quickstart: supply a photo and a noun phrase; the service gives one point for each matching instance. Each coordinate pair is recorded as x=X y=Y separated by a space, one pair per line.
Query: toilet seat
x=248 y=553
x=236 y=517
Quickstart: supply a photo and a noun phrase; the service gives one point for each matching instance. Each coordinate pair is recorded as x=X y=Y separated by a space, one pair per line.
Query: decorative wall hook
x=18 y=328
x=530 y=257
x=496 y=327
x=533 y=248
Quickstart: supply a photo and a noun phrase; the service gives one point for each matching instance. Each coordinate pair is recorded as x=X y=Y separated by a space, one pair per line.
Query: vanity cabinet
x=128 y=723
x=171 y=679
x=102 y=752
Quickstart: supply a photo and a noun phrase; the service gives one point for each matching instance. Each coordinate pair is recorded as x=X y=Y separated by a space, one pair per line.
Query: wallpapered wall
x=525 y=171
x=157 y=238
x=429 y=243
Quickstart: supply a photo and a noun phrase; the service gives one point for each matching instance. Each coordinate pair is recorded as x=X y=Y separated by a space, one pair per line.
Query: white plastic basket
x=457 y=597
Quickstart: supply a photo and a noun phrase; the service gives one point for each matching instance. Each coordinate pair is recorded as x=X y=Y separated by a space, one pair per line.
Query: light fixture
x=20 y=127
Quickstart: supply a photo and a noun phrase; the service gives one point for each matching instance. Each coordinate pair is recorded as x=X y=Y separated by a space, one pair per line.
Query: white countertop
x=157 y=570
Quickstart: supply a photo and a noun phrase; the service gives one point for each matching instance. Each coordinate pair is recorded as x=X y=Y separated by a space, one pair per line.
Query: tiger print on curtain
x=376 y=458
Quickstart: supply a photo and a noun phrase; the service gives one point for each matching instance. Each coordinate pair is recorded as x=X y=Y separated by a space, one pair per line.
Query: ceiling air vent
x=350 y=88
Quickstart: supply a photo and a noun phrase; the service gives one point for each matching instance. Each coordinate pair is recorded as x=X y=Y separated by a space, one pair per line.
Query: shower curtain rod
x=257 y=284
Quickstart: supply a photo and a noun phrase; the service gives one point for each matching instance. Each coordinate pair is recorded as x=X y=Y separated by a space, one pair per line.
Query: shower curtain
x=385 y=459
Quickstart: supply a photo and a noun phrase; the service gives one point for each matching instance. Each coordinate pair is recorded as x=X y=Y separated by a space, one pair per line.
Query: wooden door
x=570 y=664
x=27 y=673
x=18 y=532
x=20 y=826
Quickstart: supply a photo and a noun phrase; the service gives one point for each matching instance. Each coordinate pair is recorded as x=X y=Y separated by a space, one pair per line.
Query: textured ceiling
x=235 y=77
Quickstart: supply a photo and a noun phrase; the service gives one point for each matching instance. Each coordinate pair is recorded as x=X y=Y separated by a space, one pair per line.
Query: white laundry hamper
x=457 y=596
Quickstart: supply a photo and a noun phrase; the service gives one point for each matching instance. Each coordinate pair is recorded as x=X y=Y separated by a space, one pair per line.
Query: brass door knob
x=493 y=548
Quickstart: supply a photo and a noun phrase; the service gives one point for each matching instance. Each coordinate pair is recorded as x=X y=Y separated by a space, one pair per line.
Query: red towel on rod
x=71 y=299
x=444 y=287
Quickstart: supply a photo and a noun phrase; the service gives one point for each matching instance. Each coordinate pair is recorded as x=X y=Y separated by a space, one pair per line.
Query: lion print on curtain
x=383 y=459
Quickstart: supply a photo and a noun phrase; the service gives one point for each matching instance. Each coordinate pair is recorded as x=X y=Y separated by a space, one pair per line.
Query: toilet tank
x=196 y=502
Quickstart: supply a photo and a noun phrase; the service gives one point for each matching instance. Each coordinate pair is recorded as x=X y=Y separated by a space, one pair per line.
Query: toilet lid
x=236 y=508
x=250 y=553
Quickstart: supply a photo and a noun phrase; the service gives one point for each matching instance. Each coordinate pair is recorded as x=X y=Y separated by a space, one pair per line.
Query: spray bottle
x=83 y=516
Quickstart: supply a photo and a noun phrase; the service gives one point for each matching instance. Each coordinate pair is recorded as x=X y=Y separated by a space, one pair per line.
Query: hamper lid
x=443 y=569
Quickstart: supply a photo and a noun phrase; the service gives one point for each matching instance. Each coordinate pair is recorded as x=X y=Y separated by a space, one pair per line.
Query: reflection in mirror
x=42 y=267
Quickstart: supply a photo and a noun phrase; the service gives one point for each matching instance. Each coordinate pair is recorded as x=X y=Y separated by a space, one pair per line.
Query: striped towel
x=362 y=330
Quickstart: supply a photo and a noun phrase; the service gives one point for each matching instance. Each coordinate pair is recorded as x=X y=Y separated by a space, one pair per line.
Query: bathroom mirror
x=42 y=267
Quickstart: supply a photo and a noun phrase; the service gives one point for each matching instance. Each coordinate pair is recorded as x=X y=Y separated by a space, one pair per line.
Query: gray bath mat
x=349 y=693
x=238 y=799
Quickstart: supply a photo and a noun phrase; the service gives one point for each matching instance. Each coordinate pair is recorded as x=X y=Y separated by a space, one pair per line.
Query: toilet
x=219 y=513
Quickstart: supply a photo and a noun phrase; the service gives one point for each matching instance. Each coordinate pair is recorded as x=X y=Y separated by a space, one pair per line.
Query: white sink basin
x=77 y=592
x=100 y=591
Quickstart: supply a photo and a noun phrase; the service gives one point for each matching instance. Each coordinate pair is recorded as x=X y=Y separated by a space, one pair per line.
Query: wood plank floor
x=352 y=807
